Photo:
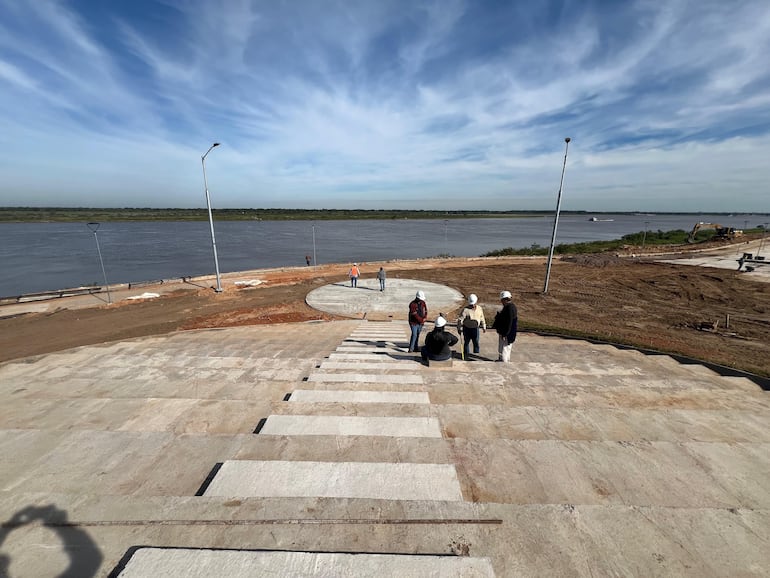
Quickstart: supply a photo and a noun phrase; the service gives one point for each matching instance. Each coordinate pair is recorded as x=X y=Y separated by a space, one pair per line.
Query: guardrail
x=44 y=295
x=90 y=290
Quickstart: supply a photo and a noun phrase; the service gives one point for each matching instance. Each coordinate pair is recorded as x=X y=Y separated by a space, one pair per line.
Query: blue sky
x=386 y=104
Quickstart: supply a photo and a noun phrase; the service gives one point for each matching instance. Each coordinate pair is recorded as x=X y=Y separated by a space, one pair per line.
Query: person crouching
x=438 y=343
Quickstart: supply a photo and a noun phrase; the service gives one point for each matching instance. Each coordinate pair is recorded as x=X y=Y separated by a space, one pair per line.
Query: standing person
x=381 y=278
x=354 y=273
x=506 y=324
x=418 y=313
x=470 y=323
x=438 y=343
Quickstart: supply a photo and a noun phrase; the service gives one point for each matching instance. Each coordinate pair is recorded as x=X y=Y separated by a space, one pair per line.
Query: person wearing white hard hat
x=506 y=324
x=470 y=323
x=418 y=313
x=438 y=343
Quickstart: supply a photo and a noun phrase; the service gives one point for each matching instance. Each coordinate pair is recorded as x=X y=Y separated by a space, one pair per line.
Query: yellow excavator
x=720 y=232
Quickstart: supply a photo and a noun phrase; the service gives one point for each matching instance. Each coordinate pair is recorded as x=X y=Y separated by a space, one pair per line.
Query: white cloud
x=390 y=104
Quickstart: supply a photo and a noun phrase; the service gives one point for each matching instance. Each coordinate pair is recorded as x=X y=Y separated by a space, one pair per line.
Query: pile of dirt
x=595 y=260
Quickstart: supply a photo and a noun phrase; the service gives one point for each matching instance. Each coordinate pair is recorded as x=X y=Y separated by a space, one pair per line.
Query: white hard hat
x=472 y=299
x=440 y=321
x=420 y=295
x=505 y=295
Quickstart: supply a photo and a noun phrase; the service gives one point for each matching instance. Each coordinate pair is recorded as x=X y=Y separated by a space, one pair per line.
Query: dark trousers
x=426 y=355
x=471 y=334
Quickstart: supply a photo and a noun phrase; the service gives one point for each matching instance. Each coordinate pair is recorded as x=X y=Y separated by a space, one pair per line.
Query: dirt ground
x=666 y=307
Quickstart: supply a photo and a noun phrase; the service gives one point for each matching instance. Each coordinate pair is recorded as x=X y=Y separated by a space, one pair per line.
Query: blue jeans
x=415 y=337
x=354 y=281
x=382 y=284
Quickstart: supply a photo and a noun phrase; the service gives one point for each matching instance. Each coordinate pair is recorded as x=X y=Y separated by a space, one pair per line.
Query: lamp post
x=644 y=238
x=556 y=218
x=95 y=227
x=762 y=241
x=211 y=218
x=315 y=263
x=446 y=241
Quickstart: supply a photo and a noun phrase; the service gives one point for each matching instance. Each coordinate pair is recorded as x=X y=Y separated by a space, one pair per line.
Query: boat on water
x=595 y=220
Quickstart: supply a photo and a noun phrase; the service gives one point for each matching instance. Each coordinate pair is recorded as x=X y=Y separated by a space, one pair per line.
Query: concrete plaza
x=325 y=449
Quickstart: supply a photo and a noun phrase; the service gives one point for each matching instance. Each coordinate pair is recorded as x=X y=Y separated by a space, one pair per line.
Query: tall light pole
x=556 y=218
x=644 y=238
x=211 y=218
x=446 y=243
x=95 y=227
x=762 y=241
x=315 y=263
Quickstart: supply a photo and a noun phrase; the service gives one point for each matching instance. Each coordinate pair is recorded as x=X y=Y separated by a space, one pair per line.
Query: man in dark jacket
x=438 y=343
x=418 y=313
x=506 y=324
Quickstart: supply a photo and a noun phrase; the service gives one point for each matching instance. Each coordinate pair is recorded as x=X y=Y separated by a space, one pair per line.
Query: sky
x=386 y=104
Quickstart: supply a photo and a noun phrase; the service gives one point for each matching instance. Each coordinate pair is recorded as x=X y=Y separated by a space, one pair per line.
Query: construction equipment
x=720 y=233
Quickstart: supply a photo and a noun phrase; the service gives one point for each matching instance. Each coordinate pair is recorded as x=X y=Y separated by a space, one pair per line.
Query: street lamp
x=556 y=218
x=644 y=238
x=762 y=241
x=315 y=263
x=211 y=219
x=95 y=227
x=446 y=243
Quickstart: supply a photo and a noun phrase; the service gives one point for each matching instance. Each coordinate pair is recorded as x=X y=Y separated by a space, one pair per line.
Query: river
x=49 y=256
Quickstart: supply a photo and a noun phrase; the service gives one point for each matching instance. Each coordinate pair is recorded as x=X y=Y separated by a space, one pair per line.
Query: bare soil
x=665 y=307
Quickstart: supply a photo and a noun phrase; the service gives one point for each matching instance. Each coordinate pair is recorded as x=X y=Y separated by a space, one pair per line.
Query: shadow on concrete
x=84 y=556
x=189 y=282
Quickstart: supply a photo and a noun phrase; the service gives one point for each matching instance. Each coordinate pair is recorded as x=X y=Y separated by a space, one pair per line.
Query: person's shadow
x=84 y=556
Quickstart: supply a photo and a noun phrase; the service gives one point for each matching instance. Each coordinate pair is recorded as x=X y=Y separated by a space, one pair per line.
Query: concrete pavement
x=324 y=449
x=368 y=302
x=727 y=258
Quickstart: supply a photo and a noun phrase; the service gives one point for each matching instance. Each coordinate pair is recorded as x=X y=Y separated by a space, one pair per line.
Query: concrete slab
x=375 y=378
x=367 y=300
x=391 y=356
x=381 y=481
x=189 y=563
x=341 y=396
x=309 y=425
x=406 y=364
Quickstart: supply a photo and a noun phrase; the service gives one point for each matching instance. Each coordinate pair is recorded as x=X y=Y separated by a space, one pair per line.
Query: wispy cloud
x=386 y=104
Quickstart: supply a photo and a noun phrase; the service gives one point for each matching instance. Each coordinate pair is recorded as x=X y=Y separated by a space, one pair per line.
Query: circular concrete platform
x=368 y=301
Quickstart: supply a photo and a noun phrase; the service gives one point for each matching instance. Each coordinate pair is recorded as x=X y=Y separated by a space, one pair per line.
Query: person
x=506 y=324
x=418 y=313
x=354 y=273
x=471 y=322
x=381 y=278
x=438 y=343
x=307 y=260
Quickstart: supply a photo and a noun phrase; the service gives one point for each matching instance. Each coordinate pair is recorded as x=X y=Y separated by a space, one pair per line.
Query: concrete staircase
x=574 y=459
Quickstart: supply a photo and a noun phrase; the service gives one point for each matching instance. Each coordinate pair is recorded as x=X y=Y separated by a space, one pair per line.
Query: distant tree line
x=79 y=214
x=674 y=237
